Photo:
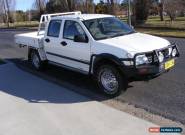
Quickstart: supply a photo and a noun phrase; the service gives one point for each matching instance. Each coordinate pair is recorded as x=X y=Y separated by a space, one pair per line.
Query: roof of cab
x=83 y=16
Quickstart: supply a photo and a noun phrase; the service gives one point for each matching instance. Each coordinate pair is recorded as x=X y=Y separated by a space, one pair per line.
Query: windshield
x=103 y=28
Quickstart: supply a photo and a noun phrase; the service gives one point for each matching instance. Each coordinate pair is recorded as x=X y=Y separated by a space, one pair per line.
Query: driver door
x=77 y=54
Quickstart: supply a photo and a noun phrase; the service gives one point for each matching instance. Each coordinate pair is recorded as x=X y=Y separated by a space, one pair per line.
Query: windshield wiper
x=131 y=32
x=116 y=35
x=119 y=34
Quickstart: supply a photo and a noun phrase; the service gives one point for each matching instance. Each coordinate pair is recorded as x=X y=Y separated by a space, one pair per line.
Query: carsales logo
x=165 y=130
x=154 y=130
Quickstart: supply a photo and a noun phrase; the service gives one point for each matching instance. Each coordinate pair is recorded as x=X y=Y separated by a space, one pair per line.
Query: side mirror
x=81 y=38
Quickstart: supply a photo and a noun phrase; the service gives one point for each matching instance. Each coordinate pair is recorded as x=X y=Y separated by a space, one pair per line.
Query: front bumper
x=153 y=69
x=148 y=70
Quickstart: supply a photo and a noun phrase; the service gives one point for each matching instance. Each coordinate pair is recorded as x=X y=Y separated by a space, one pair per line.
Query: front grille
x=165 y=52
x=152 y=57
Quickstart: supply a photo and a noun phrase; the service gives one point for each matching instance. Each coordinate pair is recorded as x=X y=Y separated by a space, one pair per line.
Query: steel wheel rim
x=109 y=81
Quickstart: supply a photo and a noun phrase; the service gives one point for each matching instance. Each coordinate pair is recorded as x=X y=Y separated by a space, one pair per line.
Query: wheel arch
x=105 y=58
x=30 y=50
x=40 y=52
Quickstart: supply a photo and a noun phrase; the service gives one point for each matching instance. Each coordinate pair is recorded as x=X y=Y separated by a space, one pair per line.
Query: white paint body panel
x=117 y=46
x=132 y=43
x=32 y=40
x=29 y=39
x=74 y=50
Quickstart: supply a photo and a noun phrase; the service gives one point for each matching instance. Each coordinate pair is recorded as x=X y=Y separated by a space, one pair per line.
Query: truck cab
x=99 y=45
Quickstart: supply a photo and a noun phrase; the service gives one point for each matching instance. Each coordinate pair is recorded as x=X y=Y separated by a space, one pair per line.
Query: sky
x=24 y=4
x=28 y=4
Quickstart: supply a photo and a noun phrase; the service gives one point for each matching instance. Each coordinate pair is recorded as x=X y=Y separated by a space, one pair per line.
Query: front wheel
x=110 y=80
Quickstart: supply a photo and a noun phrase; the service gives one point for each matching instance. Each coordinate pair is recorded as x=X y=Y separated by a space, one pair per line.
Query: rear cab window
x=54 y=28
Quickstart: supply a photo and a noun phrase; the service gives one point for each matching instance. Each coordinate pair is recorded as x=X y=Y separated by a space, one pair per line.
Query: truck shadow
x=65 y=79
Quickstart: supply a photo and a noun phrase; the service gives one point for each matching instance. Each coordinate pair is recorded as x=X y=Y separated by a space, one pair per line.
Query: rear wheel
x=110 y=80
x=36 y=61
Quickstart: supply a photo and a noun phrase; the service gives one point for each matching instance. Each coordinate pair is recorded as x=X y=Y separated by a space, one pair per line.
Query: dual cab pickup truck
x=99 y=45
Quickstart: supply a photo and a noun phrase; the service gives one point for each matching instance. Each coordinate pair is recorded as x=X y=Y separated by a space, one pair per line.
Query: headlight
x=128 y=63
x=174 y=52
x=161 y=57
x=141 y=59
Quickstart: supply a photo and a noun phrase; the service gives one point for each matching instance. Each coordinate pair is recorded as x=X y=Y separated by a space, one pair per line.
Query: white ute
x=99 y=45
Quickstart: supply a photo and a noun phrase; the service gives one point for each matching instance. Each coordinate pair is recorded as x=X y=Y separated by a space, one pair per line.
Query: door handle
x=47 y=40
x=63 y=43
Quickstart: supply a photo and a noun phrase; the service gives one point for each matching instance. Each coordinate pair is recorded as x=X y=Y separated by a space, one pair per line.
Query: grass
x=163 y=32
x=155 y=26
x=154 y=21
x=31 y=24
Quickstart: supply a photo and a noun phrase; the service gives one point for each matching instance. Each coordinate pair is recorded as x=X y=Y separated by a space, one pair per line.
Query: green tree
x=173 y=8
x=124 y=4
x=161 y=9
x=21 y=16
x=101 y=8
x=141 y=12
x=40 y=6
x=70 y=5
x=7 y=9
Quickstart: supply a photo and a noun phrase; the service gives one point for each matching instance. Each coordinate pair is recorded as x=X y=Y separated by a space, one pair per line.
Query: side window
x=54 y=28
x=72 y=28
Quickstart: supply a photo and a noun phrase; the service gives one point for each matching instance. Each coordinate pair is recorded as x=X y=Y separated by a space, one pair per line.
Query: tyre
x=110 y=80
x=36 y=61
